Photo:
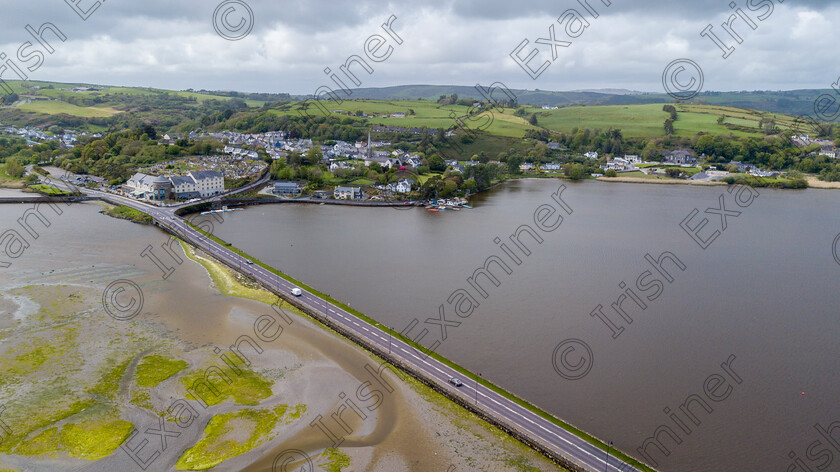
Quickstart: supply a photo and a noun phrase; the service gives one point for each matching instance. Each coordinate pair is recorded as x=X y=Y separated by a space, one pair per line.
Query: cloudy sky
x=176 y=45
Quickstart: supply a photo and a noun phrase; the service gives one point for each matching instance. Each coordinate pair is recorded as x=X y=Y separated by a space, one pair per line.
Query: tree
x=10 y=99
x=573 y=171
x=431 y=187
x=149 y=131
x=673 y=172
x=610 y=173
x=669 y=127
x=436 y=163
x=313 y=155
x=532 y=120
x=450 y=189
x=513 y=164
x=14 y=169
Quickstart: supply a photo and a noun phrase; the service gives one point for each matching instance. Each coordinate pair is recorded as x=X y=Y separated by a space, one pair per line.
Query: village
x=241 y=157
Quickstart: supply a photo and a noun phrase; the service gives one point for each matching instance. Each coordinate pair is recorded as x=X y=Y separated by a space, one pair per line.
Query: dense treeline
x=115 y=156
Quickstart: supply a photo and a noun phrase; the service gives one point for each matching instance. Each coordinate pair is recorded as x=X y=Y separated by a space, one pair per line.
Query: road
x=538 y=429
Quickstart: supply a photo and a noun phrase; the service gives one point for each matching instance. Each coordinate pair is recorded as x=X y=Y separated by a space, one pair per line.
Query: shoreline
x=641 y=180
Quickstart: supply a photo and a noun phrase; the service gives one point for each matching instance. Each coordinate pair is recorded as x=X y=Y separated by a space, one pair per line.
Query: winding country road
x=539 y=430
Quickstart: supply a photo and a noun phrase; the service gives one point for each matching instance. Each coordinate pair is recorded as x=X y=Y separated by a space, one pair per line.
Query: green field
x=647 y=121
x=635 y=121
x=428 y=114
x=54 y=107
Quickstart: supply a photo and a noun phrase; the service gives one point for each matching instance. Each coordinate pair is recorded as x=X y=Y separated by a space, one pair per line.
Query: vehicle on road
x=249 y=261
x=297 y=292
x=456 y=382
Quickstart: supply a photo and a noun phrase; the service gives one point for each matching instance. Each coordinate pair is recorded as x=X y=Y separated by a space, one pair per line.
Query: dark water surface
x=765 y=292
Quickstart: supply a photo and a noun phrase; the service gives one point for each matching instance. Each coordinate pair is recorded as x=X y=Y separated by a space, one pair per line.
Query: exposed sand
x=642 y=180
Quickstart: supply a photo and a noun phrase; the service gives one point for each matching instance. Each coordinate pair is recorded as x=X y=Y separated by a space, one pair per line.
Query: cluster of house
x=753 y=170
x=229 y=168
x=239 y=153
x=827 y=147
x=294 y=189
x=198 y=184
x=623 y=164
x=805 y=141
x=34 y=135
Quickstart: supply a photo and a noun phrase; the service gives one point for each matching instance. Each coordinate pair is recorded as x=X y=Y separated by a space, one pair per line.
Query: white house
x=389 y=163
x=347 y=193
x=829 y=151
x=401 y=186
x=591 y=155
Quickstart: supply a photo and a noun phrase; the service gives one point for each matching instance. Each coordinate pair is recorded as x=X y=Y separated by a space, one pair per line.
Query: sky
x=285 y=46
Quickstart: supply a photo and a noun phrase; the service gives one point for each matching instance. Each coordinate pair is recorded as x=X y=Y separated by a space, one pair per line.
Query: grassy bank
x=126 y=213
x=466 y=374
x=47 y=190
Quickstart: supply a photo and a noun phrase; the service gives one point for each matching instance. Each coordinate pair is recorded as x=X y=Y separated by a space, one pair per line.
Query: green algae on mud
x=92 y=439
x=228 y=282
x=219 y=441
x=246 y=388
x=336 y=460
x=154 y=369
x=62 y=375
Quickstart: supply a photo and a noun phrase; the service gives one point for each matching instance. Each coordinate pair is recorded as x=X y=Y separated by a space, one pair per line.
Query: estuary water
x=723 y=358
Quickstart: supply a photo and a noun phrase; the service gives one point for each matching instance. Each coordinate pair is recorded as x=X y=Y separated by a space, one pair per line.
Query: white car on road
x=297 y=292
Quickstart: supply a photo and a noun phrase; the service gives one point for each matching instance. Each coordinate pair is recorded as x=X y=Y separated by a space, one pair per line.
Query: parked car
x=297 y=292
x=249 y=261
x=456 y=382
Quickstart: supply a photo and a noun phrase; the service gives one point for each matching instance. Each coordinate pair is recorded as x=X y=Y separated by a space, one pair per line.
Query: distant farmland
x=647 y=121
x=54 y=107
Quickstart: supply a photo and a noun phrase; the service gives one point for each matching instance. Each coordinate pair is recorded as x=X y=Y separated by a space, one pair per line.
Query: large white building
x=195 y=184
